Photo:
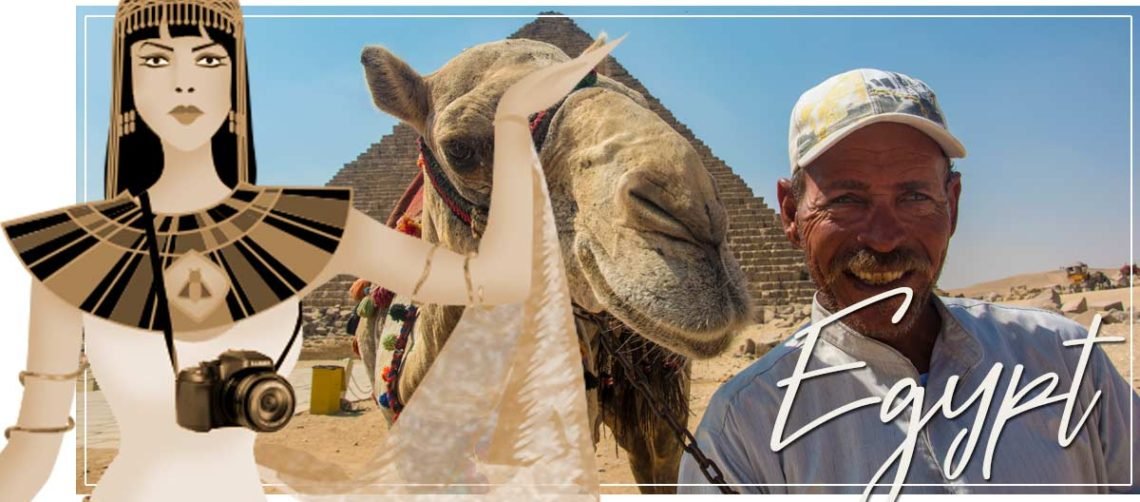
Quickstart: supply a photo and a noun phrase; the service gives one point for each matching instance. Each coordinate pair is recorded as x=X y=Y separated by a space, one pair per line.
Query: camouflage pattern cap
x=844 y=103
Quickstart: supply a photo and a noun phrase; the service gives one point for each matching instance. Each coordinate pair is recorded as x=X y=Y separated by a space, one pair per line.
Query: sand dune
x=1032 y=280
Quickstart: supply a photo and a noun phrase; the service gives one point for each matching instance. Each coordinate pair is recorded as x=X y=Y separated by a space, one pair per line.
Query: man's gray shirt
x=848 y=450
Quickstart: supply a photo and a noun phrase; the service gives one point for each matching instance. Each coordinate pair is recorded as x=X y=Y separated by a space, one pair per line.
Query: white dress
x=158 y=459
x=234 y=275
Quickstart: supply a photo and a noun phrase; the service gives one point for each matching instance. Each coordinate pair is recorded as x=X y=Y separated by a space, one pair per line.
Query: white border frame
x=301 y=3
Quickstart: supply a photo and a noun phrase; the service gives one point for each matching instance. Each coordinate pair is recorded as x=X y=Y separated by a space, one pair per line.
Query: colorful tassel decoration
x=382 y=298
x=357 y=289
x=398 y=312
x=409 y=226
x=367 y=308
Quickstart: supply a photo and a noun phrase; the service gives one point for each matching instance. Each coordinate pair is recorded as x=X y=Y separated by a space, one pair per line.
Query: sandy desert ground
x=346 y=440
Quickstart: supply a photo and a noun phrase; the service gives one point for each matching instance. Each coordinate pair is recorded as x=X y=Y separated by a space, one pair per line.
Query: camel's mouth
x=690 y=306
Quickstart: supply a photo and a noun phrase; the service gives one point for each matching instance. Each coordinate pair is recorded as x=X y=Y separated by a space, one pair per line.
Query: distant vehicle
x=1081 y=280
x=1077 y=274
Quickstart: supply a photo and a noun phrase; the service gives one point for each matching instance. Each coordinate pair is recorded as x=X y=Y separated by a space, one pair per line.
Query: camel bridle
x=473 y=214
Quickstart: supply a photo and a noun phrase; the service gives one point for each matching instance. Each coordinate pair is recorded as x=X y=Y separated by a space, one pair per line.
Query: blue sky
x=1042 y=104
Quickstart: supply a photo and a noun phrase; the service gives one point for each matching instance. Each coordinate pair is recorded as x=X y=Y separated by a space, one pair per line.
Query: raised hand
x=545 y=87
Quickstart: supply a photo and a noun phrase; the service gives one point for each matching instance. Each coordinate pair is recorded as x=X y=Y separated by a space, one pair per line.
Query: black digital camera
x=238 y=389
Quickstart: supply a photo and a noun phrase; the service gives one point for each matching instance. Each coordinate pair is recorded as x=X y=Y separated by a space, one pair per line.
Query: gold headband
x=133 y=15
x=136 y=14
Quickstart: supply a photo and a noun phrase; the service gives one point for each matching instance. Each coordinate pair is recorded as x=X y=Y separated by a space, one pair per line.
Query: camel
x=642 y=229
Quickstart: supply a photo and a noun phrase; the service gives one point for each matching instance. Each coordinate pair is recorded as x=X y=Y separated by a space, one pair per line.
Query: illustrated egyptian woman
x=190 y=359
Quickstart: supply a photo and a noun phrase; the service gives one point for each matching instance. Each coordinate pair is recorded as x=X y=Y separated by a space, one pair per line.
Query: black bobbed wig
x=139 y=162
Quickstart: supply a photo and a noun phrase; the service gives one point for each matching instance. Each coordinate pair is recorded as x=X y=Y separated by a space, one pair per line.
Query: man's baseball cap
x=843 y=104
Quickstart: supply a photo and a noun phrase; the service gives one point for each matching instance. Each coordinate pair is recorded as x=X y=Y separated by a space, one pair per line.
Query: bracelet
x=467 y=277
x=70 y=425
x=424 y=274
x=53 y=376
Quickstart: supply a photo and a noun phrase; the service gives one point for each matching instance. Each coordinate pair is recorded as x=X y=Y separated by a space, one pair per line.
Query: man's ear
x=788 y=205
x=954 y=191
x=396 y=88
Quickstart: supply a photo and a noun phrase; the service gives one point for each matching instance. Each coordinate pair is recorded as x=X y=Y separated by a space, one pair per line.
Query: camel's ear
x=396 y=87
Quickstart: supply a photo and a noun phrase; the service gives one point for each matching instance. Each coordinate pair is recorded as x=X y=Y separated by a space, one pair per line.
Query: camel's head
x=642 y=228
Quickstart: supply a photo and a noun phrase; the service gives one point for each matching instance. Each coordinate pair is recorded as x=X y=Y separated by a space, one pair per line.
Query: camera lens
x=263 y=402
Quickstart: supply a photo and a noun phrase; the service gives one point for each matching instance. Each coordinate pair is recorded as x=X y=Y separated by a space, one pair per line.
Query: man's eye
x=845 y=199
x=210 y=61
x=915 y=197
x=155 y=61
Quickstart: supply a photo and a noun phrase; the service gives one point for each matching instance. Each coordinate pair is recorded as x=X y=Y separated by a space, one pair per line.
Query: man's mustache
x=865 y=260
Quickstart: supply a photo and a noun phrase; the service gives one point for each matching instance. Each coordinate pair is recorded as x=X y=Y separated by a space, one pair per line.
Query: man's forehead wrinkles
x=913 y=184
x=849 y=183
x=849 y=175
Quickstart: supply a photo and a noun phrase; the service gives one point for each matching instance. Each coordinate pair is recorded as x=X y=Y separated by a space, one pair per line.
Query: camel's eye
x=459 y=152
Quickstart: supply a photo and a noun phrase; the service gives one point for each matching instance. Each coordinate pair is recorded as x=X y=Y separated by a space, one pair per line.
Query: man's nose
x=884 y=232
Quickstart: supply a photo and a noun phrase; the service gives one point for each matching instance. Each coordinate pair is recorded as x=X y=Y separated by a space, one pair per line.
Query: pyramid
x=774 y=268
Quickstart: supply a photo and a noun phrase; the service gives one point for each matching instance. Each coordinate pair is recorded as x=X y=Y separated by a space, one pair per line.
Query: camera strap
x=158 y=288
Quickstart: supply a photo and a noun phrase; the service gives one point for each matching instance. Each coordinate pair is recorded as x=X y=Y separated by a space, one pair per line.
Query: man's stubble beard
x=880 y=310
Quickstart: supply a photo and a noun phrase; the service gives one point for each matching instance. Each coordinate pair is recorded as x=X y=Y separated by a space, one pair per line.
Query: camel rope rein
x=709 y=469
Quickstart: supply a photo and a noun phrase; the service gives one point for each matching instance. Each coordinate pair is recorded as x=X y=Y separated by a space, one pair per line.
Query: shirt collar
x=956 y=350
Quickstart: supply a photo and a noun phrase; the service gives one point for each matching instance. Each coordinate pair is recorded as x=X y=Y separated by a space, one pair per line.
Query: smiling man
x=873 y=202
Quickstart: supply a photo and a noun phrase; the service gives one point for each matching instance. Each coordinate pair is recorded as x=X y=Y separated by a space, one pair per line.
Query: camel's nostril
x=653 y=205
